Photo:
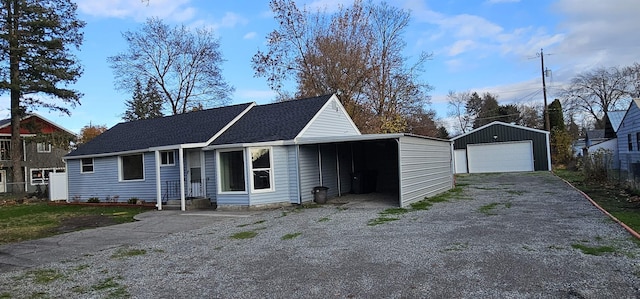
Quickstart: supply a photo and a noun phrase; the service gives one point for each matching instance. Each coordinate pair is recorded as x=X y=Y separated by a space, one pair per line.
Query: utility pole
x=547 y=126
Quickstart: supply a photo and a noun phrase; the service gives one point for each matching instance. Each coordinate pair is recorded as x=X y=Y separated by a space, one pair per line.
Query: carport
x=402 y=166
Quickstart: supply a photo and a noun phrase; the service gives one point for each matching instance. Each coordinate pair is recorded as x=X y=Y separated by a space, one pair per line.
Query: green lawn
x=610 y=196
x=21 y=222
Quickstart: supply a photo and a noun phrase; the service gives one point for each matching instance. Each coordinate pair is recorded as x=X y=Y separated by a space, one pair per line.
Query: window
x=43 y=147
x=131 y=167
x=629 y=142
x=261 y=168
x=5 y=149
x=231 y=171
x=638 y=141
x=167 y=158
x=40 y=176
x=86 y=165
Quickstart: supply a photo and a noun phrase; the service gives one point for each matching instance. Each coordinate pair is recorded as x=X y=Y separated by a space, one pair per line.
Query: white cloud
x=599 y=33
x=177 y=10
x=250 y=35
x=461 y=46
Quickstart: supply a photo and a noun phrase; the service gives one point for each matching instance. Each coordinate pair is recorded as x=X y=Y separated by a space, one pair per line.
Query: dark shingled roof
x=279 y=121
x=4 y=122
x=192 y=127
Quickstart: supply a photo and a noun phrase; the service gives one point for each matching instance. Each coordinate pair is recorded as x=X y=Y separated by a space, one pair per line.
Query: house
x=252 y=155
x=502 y=147
x=44 y=144
x=628 y=144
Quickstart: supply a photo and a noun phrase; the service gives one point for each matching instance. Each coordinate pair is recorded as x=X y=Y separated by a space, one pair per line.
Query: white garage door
x=500 y=157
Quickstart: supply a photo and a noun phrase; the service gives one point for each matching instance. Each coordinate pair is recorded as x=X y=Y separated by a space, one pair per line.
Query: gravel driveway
x=500 y=236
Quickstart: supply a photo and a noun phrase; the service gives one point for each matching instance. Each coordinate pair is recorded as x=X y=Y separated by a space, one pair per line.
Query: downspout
x=183 y=204
x=158 y=183
x=298 y=174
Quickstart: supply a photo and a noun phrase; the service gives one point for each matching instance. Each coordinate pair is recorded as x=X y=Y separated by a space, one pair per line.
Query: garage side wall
x=508 y=133
x=425 y=168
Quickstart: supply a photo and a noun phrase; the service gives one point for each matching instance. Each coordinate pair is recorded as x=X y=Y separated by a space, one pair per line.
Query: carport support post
x=158 y=183
x=320 y=164
x=183 y=205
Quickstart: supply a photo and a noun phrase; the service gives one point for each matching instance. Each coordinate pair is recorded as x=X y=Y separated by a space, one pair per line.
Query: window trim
x=173 y=158
x=270 y=169
x=121 y=169
x=219 y=170
x=82 y=165
x=46 y=147
x=45 y=180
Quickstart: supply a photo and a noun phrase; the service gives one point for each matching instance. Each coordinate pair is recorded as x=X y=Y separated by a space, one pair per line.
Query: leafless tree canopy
x=598 y=91
x=355 y=52
x=184 y=64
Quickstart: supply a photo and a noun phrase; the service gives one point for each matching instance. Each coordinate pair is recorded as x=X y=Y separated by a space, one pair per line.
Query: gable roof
x=615 y=117
x=5 y=123
x=498 y=123
x=189 y=128
x=595 y=134
x=273 y=122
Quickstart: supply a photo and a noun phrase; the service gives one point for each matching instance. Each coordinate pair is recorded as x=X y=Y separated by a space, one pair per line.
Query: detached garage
x=502 y=147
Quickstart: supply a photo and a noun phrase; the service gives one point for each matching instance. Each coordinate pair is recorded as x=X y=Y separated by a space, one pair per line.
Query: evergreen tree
x=556 y=117
x=35 y=45
x=145 y=103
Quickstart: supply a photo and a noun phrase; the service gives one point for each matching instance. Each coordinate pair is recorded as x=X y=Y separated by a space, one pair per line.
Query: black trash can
x=320 y=194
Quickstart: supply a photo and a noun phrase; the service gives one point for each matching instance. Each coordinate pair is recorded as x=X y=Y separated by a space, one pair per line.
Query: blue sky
x=483 y=45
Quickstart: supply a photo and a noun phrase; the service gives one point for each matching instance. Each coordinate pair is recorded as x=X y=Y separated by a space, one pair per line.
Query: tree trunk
x=16 y=110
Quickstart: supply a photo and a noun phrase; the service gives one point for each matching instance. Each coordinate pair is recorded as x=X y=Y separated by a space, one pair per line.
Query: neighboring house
x=252 y=155
x=605 y=139
x=502 y=147
x=41 y=156
x=629 y=140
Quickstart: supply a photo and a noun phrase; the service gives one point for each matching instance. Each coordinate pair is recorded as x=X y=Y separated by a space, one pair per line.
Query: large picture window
x=86 y=165
x=231 y=171
x=132 y=167
x=261 y=168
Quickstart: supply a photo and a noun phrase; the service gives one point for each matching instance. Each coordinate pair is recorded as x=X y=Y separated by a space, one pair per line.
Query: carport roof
x=364 y=137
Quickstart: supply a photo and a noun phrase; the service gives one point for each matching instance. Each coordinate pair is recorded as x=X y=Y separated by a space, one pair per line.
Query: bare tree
x=457 y=102
x=184 y=64
x=355 y=52
x=597 y=92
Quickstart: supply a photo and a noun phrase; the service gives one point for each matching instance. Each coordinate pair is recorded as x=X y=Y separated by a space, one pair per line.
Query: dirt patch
x=84 y=222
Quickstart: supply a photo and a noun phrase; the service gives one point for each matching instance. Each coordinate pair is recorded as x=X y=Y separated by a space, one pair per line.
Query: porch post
x=183 y=205
x=158 y=182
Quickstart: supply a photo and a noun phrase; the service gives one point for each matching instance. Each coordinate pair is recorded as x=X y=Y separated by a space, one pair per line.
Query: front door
x=3 y=181
x=194 y=175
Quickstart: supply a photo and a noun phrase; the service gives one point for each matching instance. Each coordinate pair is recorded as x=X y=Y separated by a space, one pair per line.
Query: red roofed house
x=44 y=144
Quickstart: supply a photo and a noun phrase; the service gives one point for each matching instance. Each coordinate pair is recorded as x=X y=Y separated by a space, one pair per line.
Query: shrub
x=595 y=165
x=93 y=200
x=133 y=200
